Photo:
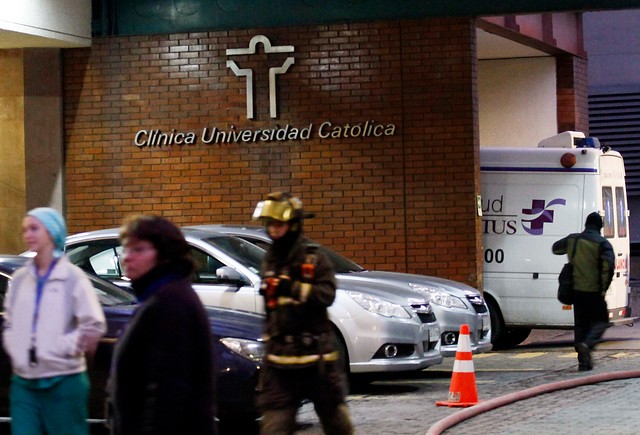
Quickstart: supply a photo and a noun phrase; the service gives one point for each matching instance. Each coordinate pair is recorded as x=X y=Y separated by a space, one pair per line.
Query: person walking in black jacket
x=162 y=372
x=593 y=266
x=301 y=361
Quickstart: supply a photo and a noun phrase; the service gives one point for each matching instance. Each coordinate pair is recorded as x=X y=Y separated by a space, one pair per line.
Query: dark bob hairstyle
x=174 y=253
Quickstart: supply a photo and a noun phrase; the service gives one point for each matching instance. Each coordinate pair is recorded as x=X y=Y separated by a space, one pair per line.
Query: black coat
x=162 y=373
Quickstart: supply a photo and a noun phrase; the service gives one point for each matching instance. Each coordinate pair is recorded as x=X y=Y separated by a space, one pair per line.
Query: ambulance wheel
x=501 y=336
x=497 y=323
x=515 y=336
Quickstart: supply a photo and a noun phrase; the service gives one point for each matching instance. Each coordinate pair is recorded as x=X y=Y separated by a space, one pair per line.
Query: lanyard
x=41 y=281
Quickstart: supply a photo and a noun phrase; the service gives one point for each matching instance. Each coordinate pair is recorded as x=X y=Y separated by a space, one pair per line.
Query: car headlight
x=250 y=349
x=379 y=306
x=439 y=296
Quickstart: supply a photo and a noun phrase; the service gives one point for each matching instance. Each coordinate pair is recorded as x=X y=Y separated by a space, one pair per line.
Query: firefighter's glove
x=284 y=286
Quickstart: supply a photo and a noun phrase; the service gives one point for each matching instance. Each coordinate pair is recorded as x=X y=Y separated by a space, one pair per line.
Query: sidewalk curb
x=465 y=414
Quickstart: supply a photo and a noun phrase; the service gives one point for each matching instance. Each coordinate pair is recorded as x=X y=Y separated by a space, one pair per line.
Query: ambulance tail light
x=568 y=160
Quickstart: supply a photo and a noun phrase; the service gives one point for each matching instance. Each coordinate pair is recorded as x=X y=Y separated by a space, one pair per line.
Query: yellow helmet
x=279 y=206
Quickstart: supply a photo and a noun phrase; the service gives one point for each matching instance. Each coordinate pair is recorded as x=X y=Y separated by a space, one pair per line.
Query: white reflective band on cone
x=461 y=366
x=464 y=343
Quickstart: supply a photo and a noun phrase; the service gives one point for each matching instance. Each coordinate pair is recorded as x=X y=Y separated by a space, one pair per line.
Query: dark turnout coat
x=298 y=328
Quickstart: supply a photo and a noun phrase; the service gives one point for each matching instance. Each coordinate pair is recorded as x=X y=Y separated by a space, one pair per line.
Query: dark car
x=236 y=338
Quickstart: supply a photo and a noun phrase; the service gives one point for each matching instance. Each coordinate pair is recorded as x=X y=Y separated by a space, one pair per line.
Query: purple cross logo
x=540 y=215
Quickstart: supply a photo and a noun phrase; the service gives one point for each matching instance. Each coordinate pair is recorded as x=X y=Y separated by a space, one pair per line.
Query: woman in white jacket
x=52 y=318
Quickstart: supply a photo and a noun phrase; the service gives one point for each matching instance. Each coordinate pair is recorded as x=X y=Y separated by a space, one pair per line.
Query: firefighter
x=301 y=360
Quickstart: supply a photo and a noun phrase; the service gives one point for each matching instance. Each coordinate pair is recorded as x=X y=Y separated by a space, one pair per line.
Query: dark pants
x=283 y=390
x=591 y=317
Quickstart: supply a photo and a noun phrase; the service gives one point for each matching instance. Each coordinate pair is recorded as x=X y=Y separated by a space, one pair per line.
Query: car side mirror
x=230 y=275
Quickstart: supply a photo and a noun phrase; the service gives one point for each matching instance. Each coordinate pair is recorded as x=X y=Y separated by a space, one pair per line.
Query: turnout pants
x=283 y=390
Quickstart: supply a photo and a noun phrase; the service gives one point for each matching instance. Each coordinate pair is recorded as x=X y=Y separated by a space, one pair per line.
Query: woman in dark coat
x=162 y=372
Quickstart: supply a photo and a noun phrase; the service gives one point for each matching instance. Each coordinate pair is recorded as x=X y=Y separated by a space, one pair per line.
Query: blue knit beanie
x=54 y=223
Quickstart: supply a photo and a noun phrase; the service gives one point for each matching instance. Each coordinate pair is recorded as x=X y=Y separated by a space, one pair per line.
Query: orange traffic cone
x=463 y=390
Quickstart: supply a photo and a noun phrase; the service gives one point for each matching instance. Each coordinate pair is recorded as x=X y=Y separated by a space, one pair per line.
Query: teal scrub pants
x=56 y=406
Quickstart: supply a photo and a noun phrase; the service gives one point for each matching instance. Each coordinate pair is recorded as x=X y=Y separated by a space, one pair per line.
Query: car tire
x=341 y=347
x=354 y=381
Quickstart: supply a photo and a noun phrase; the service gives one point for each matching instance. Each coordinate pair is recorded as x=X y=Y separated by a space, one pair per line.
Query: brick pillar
x=572 y=85
x=441 y=149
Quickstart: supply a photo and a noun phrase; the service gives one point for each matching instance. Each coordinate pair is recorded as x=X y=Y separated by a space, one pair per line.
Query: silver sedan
x=454 y=303
x=380 y=327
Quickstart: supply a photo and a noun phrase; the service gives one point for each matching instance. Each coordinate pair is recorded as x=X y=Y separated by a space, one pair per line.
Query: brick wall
x=402 y=202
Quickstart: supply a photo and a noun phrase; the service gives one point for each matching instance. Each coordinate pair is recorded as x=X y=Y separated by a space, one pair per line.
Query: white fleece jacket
x=70 y=317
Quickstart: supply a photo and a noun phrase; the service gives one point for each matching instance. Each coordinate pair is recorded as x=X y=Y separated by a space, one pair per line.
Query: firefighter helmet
x=279 y=206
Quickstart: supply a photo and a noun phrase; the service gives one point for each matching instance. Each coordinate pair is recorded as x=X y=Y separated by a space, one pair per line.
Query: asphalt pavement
x=554 y=399
x=604 y=400
x=603 y=403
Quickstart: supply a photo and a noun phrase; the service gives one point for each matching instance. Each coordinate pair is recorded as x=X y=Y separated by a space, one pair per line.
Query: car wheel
x=501 y=336
x=341 y=347
x=354 y=381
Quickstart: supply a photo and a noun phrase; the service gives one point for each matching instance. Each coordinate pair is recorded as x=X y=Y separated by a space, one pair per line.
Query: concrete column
x=31 y=141
x=12 y=165
x=44 y=146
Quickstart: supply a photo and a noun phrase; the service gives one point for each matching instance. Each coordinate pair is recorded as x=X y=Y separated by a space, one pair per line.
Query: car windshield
x=341 y=264
x=243 y=252
x=109 y=294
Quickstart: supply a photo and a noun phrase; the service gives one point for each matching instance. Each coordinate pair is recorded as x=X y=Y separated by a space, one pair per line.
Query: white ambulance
x=532 y=197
